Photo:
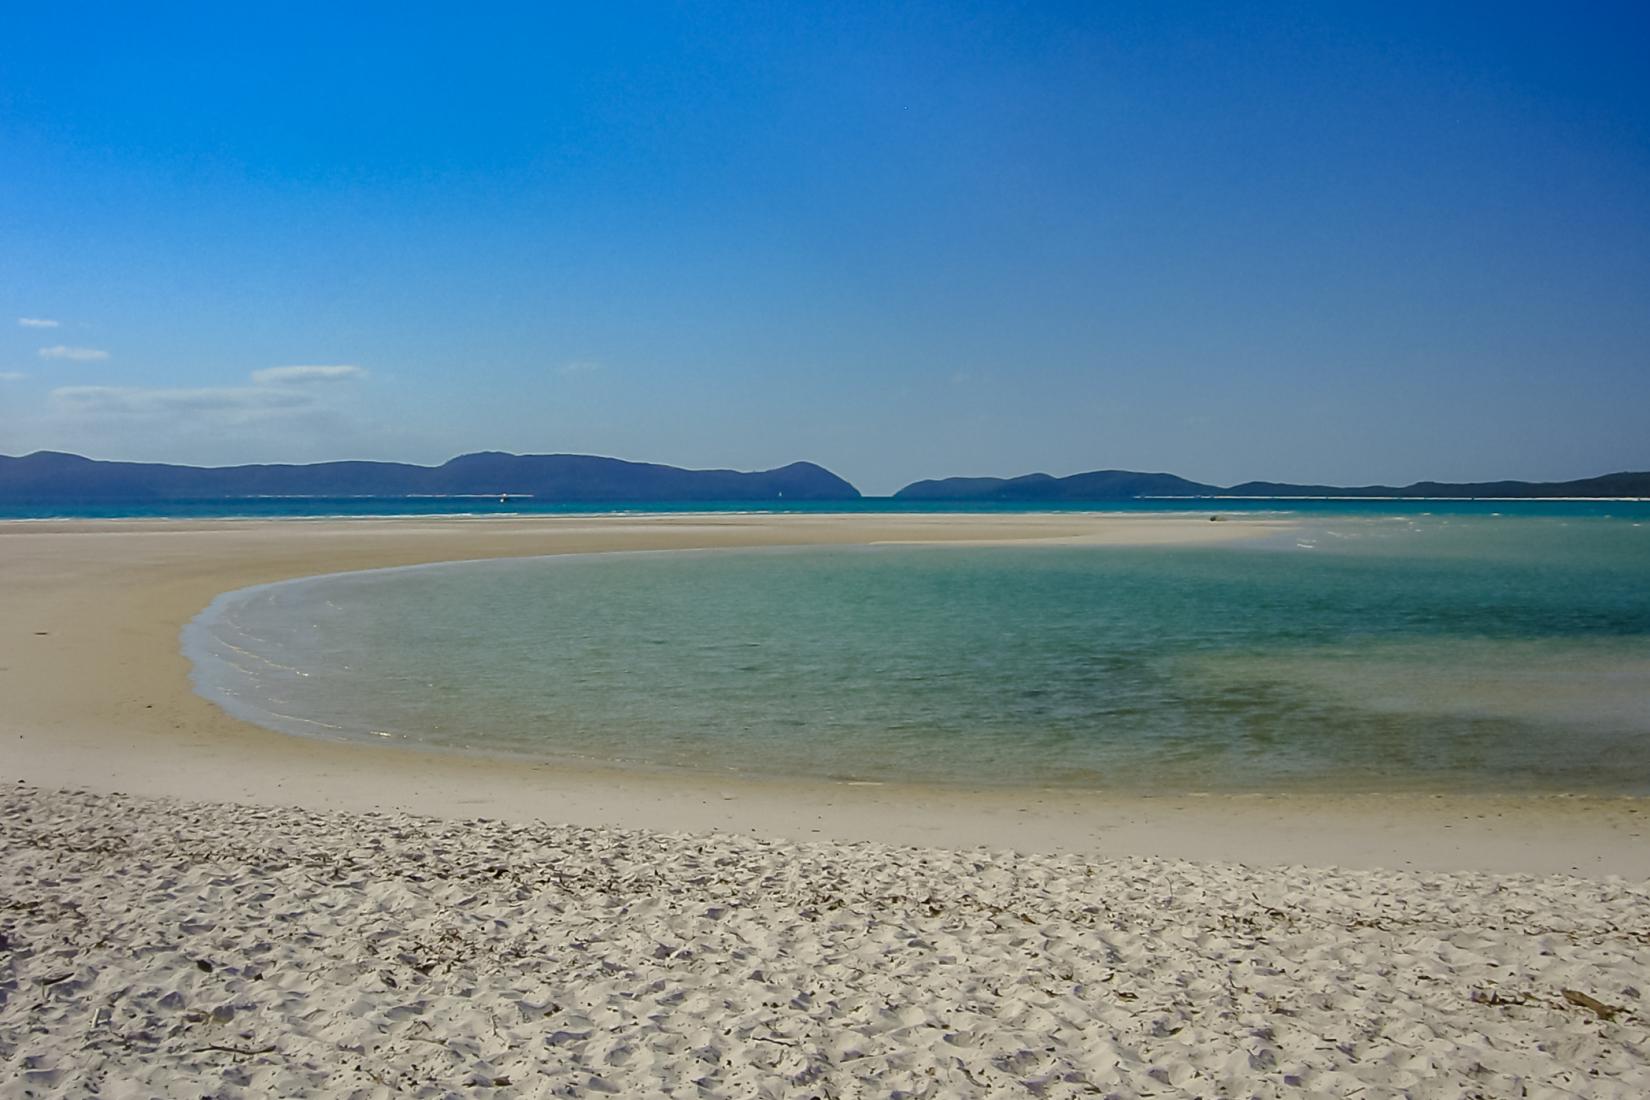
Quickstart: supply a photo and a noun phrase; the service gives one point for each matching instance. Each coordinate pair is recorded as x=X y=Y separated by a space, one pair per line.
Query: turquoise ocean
x=1368 y=646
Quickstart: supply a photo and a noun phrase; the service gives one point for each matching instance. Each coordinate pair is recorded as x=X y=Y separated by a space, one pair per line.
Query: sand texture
x=166 y=948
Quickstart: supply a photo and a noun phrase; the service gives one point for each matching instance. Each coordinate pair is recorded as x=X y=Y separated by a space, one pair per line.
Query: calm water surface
x=1386 y=652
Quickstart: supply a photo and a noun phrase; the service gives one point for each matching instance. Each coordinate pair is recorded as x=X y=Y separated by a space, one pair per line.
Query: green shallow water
x=1392 y=653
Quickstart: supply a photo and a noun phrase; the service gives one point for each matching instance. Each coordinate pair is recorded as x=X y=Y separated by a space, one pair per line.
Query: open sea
x=1385 y=646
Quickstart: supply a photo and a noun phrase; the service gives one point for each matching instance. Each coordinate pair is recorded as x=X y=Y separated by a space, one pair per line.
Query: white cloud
x=579 y=366
x=63 y=351
x=36 y=322
x=139 y=401
x=261 y=417
x=289 y=376
x=275 y=402
x=274 y=390
x=12 y=376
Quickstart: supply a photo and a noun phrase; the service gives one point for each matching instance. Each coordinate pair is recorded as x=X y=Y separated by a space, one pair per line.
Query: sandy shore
x=265 y=915
x=161 y=948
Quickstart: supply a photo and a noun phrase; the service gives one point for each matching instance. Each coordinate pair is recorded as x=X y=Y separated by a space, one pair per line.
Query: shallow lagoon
x=1401 y=652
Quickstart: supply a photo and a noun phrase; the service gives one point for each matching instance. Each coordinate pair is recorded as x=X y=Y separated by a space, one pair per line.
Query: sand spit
x=155 y=947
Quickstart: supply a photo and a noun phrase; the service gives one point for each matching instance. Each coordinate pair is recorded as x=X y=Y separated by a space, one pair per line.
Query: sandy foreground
x=163 y=948
x=193 y=906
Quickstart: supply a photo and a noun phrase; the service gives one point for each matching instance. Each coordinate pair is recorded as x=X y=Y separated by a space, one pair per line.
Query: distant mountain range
x=53 y=477
x=1126 y=485
x=49 y=476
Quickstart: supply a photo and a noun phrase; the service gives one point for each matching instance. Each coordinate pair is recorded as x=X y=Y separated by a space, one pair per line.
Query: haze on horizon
x=1321 y=243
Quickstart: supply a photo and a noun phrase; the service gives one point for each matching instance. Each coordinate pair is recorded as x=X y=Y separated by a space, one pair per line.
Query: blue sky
x=1325 y=242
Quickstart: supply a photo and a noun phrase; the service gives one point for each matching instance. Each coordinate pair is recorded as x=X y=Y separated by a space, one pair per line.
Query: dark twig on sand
x=1598 y=1007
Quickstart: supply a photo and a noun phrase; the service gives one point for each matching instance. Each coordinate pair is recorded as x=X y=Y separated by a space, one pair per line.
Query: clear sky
x=1312 y=242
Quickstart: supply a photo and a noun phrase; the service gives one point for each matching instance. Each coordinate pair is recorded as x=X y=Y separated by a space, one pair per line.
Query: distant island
x=51 y=477
x=1129 y=485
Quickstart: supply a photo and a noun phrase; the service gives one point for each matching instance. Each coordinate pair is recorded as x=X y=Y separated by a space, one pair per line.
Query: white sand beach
x=192 y=906
x=165 y=948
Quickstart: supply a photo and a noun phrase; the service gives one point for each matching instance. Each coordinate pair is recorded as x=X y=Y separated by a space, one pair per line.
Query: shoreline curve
x=99 y=698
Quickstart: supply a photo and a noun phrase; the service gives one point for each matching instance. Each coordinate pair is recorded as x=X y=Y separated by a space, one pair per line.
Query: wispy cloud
x=81 y=355
x=37 y=322
x=140 y=401
x=12 y=376
x=274 y=392
x=290 y=376
x=580 y=366
x=289 y=415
